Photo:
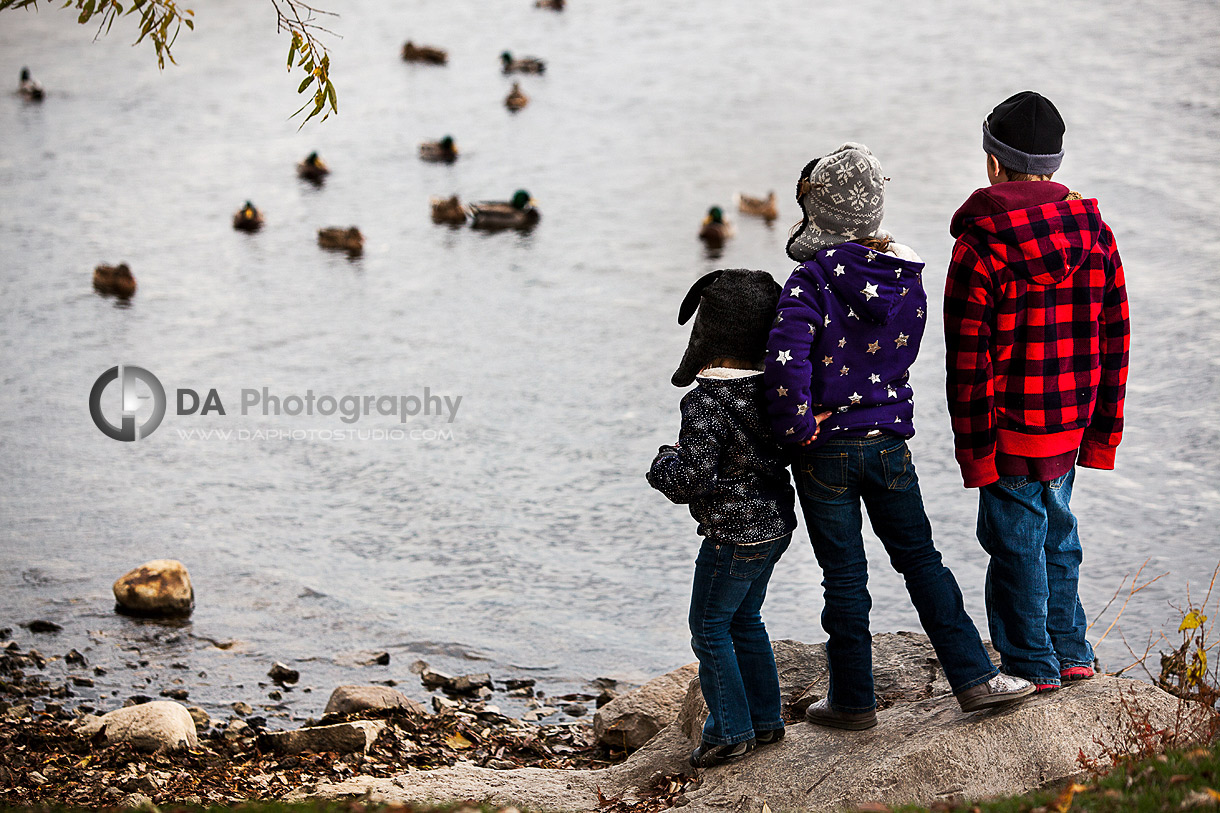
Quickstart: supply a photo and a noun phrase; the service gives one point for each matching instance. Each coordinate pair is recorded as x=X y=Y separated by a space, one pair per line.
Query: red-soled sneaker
x=1077 y=673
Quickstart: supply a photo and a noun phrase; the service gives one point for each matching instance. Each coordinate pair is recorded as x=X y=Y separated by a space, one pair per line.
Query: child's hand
x=821 y=416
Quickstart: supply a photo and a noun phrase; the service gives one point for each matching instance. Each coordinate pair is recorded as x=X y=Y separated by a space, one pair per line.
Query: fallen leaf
x=1063 y=801
x=457 y=741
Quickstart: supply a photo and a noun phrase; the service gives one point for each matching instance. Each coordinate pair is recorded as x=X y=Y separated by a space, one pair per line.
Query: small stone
x=82 y=681
x=201 y=718
x=605 y=697
x=281 y=674
x=244 y=709
x=519 y=683
x=482 y=693
x=575 y=710
x=42 y=626
x=469 y=684
x=433 y=679
x=99 y=670
x=418 y=667
x=236 y=730
x=380 y=659
x=356 y=736
x=442 y=703
x=175 y=694
x=137 y=700
x=137 y=801
x=75 y=658
x=349 y=699
x=538 y=713
x=524 y=691
x=36 y=778
x=275 y=695
x=160 y=588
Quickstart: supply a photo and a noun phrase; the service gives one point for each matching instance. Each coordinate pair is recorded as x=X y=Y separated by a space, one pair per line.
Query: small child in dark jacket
x=726 y=466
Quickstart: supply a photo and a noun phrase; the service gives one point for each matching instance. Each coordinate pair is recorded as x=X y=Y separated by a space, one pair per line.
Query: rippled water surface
x=528 y=541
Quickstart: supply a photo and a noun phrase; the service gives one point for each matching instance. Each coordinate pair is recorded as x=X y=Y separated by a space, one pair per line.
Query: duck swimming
x=444 y=150
x=248 y=218
x=715 y=229
x=449 y=210
x=313 y=168
x=28 y=88
x=338 y=239
x=516 y=99
x=760 y=207
x=114 y=280
x=519 y=213
x=526 y=64
x=424 y=53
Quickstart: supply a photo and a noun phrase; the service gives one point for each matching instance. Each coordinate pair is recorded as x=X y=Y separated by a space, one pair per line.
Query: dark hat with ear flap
x=735 y=310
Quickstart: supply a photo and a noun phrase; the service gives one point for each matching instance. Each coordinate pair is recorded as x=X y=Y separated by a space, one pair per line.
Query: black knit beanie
x=1025 y=134
x=736 y=310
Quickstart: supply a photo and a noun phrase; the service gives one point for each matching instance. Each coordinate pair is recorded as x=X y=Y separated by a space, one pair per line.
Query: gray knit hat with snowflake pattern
x=843 y=198
x=736 y=309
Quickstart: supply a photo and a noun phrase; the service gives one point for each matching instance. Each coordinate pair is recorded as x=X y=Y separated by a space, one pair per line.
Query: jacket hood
x=872 y=283
x=739 y=397
x=1046 y=236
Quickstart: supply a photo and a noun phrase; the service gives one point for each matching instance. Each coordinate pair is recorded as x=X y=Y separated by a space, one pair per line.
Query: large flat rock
x=923 y=748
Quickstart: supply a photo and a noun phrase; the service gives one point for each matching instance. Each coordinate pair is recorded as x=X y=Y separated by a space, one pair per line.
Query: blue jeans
x=1033 y=606
x=831 y=480
x=736 y=665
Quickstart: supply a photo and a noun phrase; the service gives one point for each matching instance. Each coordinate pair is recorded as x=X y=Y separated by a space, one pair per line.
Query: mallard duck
x=554 y=5
x=448 y=210
x=526 y=64
x=114 y=280
x=28 y=88
x=424 y=53
x=516 y=99
x=715 y=228
x=349 y=240
x=766 y=209
x=313 y=168
x=248 y=218
x=445 y=150
x=519 y=213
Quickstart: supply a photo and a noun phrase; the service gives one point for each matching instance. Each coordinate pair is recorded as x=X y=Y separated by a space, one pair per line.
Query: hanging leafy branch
x=310 y=54
x=160 y=21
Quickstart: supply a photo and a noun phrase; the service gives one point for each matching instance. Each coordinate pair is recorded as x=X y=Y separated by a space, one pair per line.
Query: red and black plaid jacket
x=1036 y=328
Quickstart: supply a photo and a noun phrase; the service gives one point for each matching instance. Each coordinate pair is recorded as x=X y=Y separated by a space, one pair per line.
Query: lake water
x=527 y=541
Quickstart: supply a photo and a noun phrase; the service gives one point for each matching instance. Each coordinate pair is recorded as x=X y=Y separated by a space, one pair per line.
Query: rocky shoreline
x=64 y=750
x=374 y=743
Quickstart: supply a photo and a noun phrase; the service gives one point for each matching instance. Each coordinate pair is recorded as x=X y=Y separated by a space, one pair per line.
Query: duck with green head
x=313 y=168
x=526 y=64
x=715 y=229
x=517 y=213
x=444 y=151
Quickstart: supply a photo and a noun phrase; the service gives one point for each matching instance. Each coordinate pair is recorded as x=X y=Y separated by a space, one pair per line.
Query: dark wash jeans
x=831 y=480
x=736 y=665
x=1033 y=605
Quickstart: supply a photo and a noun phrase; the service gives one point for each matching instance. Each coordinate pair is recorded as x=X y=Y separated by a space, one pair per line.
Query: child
x=1037 y=335
x=733 y=475
x=848 y=329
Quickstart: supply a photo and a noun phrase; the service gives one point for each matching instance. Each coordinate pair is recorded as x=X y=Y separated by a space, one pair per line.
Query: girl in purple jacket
x=848 y=327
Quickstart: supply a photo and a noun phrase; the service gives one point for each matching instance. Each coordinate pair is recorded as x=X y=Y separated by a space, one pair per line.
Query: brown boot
x=822 y=713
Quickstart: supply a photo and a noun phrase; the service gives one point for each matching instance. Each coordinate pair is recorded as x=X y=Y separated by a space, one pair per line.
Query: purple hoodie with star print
x=846 y=333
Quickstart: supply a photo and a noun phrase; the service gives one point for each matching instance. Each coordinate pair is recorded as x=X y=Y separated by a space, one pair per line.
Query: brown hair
x=875 y=243
x=1024 y=176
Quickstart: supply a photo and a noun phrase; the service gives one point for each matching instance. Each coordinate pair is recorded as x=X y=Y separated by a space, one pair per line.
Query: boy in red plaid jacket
x=1037 y=333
